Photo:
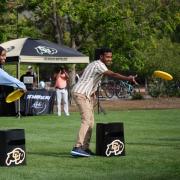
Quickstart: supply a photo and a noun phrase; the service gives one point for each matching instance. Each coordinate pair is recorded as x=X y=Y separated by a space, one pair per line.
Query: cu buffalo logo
x=115 y=148
x=45 y=50
x=16 y=156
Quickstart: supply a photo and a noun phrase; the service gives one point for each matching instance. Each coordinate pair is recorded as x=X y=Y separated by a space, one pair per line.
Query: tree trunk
x=58 y=25
x=73 y=67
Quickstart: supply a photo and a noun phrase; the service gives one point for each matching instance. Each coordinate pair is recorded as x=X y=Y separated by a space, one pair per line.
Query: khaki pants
x=85 y=106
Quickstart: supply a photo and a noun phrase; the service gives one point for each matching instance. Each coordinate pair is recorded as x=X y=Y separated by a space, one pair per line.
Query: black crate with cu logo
x=12 y=147
x=110 y=139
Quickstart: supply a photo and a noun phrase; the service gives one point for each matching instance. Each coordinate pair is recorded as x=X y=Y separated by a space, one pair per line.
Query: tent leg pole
x=19 y=101
x=19 y=107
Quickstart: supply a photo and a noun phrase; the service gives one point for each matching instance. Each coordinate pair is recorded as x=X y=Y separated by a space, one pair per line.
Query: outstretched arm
x=6 y=79
x=121 y=77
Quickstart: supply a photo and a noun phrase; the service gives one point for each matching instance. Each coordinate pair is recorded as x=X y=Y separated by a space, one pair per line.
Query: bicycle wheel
x=108 y=88
x=121 y=91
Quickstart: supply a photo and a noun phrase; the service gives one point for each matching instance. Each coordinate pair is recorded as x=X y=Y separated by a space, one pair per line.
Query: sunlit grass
x=152 y=147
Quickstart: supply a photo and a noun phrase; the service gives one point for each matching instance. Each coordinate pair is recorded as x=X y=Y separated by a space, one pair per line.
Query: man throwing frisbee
x=84 y=93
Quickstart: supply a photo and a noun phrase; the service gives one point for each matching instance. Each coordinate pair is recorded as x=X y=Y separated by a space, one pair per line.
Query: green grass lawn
x=152 y=147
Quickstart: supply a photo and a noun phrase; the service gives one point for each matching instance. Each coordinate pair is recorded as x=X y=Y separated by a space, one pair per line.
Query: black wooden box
x=110 y=139
x=12 y=147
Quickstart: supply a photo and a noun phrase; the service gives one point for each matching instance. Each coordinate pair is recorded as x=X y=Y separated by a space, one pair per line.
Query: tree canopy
x=144 y=35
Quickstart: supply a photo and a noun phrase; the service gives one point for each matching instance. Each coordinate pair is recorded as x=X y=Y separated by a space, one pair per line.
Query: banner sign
x=39 y=102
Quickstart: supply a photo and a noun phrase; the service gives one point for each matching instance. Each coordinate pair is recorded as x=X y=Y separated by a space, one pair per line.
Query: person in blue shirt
x=5 y=78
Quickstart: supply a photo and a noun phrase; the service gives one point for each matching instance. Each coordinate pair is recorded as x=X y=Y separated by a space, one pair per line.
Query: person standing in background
x=29 y=79
x=33 y=74
x=61 y=77
x=30 y=70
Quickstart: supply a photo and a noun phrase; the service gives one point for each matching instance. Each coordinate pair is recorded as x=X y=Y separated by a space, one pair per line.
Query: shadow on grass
x=169 y=139
x=149 y=144
x=60 y=154
x=51 y=154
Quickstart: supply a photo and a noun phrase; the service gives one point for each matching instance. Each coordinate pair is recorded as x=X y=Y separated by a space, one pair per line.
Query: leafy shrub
x=164 y=88
x=137 y=96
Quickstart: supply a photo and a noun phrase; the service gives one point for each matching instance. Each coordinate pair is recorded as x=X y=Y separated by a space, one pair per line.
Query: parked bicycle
x=107 y=88
x=122 y=89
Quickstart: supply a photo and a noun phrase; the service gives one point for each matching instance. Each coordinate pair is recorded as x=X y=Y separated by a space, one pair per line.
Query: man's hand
x=133 y=79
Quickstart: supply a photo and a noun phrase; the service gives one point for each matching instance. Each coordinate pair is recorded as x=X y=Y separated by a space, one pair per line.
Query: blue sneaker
x=79 y=152
x=89 y=152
